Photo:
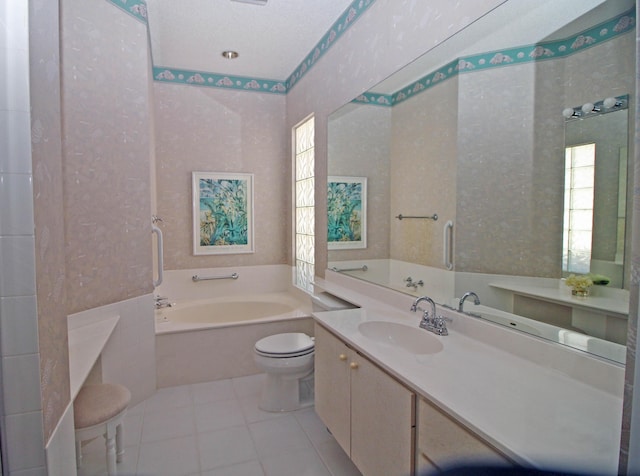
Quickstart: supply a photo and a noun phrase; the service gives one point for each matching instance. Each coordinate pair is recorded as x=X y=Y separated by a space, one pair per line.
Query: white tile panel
x=21 y=383
x=24 y=441
x=18 y=325
x=16 y=213
x=15 y=142
x=17 y=265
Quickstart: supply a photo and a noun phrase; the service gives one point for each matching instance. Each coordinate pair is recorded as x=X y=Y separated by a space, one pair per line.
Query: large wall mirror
x=464 y=152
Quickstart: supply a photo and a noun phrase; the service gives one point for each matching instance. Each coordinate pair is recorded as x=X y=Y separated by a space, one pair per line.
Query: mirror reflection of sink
x=411 y=339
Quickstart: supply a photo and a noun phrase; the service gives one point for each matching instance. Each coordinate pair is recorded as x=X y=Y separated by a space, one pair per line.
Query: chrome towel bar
x=433 y=217
x=340 y=270
x=195 y=278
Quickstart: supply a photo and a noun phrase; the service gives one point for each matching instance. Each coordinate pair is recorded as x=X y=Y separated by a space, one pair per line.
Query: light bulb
x=568 y=112
x=587 y=108
x=610 y=102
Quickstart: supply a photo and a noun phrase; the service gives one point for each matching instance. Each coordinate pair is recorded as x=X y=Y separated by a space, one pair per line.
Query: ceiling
x=272 y=40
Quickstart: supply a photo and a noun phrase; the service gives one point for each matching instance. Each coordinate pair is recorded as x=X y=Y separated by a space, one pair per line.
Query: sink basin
x=411 y=339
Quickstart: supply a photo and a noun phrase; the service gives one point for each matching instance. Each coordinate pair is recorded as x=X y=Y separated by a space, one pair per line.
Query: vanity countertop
x=538 y=415
x=614 y=305
x=87 y=338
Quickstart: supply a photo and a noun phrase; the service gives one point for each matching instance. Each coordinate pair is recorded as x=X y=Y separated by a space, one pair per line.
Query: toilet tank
x=328 y=302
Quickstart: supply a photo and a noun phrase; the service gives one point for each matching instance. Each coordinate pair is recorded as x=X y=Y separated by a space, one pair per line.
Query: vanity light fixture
x=605 y=106
x=230 y=54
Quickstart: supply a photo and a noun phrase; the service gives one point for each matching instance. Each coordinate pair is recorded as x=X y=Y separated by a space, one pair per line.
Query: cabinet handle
x=343 y=357
x=353 y=365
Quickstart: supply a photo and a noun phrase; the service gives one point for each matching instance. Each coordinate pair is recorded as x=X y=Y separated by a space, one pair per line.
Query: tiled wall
x=22 y=435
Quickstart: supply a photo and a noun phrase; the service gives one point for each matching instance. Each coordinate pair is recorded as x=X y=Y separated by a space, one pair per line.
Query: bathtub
x=230 y=311
x=211 y=339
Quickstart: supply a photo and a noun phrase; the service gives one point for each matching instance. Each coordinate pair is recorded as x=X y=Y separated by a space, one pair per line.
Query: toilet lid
x=289 y=344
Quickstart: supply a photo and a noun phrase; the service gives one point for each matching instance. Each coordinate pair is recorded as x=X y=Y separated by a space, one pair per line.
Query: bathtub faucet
x=162 y=302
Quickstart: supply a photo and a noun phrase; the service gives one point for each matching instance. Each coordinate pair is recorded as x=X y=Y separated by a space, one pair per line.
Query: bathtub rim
x=302 y=309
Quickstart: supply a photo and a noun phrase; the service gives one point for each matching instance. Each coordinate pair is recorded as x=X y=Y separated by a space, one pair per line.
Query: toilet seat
x=287 y=345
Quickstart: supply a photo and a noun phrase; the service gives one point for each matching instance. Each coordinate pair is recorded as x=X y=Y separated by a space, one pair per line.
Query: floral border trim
x=341 y=25
x=508 y=57
x=135 y=8
x=196 y=78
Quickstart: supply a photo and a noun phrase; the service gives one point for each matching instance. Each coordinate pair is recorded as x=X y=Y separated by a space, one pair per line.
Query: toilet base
x=280 y=394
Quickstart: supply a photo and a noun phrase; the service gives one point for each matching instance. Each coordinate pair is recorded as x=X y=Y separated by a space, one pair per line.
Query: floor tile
x=250 y=468
x=336 y=460
x=275 y=436
x=172 y=457
x=295 y=462
x=226 y=447
x=218 y=415
x=212 y=391
x=169 y=423
x=169 y=397
x=253 y=414
x=314 y=428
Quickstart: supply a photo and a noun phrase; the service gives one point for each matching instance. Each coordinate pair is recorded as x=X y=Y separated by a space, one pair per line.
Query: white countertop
x=87 y=338
x=605 y=304
x=538 y=415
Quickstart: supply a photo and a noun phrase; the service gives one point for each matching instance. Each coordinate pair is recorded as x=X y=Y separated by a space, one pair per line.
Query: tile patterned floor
x=216 y=429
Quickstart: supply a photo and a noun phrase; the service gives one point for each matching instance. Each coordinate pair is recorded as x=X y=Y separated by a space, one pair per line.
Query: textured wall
x=389 y=35
x=46 y=148
x=106 y=154
x=423 y=173
x=359 y=145
x=212 y=130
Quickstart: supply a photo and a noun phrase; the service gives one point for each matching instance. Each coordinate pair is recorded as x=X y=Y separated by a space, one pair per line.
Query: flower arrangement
x=579 y=284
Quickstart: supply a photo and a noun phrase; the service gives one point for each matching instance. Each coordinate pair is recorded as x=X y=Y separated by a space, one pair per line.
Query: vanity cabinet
x=441 y=441
x=370 y=414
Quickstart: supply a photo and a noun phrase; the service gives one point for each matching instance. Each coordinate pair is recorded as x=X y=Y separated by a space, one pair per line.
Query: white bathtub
x=211 y=339
x=230 y=311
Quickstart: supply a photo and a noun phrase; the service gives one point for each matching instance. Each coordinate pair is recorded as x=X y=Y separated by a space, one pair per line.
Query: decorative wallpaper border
x=508 y=57
x=202 y=78
x=198 y=78
x=135 y=8
x=348 y=18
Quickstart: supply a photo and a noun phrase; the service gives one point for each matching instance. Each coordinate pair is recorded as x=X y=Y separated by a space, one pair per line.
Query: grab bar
x=448 y=235
x=340 y=270
x=195 y=278
x=433 y=217
x=158 y=232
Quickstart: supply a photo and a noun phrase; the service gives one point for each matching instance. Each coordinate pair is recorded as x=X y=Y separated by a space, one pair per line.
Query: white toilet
x=287 y=360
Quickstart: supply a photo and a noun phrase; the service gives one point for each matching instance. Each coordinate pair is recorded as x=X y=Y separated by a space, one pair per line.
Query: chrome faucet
x=430 y=320
x=413 y=284
x=476 y=300
x=162 y=302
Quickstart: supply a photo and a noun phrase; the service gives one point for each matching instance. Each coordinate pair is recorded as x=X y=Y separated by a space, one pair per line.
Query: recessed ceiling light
x=229 y=54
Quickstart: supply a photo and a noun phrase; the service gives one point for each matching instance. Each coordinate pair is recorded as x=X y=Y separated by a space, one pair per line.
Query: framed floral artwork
x=347 y=213
x=222 y=213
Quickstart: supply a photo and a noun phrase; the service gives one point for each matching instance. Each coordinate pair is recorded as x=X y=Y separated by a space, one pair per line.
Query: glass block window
x=579 y=178
x=304 y=204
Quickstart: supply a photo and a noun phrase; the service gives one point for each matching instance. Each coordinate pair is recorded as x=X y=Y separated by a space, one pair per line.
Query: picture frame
x=222 y=213
x=346 y=212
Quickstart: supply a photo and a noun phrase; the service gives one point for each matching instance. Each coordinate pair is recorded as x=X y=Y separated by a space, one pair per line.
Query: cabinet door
x=442 y=440
x=332 y=393
x=382 y=421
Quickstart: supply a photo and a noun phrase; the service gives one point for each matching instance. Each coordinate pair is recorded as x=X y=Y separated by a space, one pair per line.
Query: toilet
x=287 y=360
